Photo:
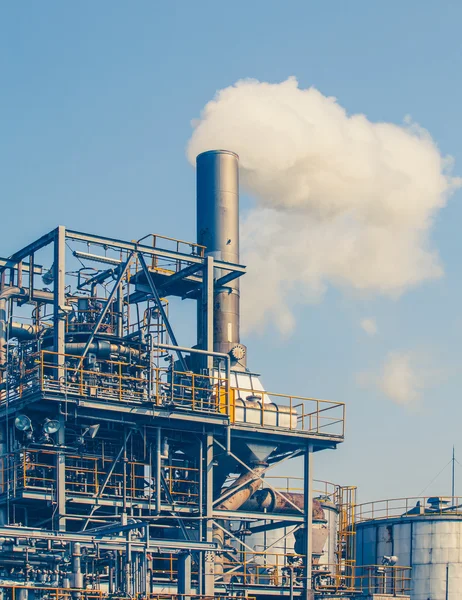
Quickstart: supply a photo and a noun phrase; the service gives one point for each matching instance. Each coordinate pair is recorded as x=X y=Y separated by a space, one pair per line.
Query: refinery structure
x=133 y=466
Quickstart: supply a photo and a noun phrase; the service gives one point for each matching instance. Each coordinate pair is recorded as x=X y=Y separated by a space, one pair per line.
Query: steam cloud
x=369 y=325
x=401 y=378
x=339 y=200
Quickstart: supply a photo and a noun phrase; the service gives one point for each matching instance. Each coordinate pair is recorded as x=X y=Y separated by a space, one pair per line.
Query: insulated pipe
x=77 y=575
x=251 y=481
x=218 y=231
x=23 y=331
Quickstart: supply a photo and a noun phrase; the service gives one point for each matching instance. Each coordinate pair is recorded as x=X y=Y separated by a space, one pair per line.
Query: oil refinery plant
x=133 y=466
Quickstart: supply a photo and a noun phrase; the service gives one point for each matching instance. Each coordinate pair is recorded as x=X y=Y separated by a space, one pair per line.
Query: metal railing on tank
x=416 y=506
x=371 y=579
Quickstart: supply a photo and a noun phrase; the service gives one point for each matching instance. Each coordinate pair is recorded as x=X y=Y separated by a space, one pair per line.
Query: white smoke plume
x=402 y=378
x=369 y=325
x=340 y=200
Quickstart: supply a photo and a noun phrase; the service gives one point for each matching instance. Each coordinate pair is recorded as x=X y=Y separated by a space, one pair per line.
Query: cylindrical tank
x=218 y=231
x=329 y=555
x=426 y=539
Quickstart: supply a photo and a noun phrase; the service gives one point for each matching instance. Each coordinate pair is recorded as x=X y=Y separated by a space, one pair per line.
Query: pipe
x=218 y=231
x=102 y=349
x=5 y=295
x=23 y=331
x=77 y=575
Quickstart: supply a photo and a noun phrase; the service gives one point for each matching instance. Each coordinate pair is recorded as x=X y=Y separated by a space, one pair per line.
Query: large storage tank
x=425 y=535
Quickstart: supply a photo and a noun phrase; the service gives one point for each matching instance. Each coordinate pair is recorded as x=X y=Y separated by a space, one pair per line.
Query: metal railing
x=35 y=470
x=409 y=507
x=54 y=593
x=295 y=413
x=120 y=381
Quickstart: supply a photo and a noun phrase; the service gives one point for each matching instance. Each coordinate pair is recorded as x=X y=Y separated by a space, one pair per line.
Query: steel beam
x=184 y=575
x=149 y=250
x=179 y=275
x=6 y=263
x=17 y=257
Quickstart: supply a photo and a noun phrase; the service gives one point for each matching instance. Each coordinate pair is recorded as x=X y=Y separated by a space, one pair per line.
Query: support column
x=184 y=575
x=207 y=309
x=59 y=300
x=308 y=517
x=209 y=557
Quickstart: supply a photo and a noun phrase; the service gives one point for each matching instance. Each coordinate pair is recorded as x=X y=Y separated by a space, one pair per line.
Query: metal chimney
x=218 y=230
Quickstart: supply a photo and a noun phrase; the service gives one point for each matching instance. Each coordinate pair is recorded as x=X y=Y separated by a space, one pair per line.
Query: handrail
x=414 y=506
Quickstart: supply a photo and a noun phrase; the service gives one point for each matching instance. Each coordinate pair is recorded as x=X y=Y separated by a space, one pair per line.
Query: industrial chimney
x=218 y=231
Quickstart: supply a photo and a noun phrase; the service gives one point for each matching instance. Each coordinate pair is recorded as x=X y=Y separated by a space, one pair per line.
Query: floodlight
x=51 y=426
x=92 y=430
x=23 y=423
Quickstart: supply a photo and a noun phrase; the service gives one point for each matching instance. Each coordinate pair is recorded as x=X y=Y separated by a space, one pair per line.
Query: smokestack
x=218 y=231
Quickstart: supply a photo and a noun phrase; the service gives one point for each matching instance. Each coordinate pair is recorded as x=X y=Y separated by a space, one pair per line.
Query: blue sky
x=96 y=107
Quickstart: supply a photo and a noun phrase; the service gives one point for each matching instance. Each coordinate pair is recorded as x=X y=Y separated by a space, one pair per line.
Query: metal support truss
x=163 y=314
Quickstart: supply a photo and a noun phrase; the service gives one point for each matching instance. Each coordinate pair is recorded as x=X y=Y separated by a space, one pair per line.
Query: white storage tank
x=330 y=551
x=426 y=537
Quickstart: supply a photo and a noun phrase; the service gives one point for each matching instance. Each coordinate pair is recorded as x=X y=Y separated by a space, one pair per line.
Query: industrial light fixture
x=23 y=423
x=91 y=431
x=49 y=276
x=97 y=258
x=51 y=426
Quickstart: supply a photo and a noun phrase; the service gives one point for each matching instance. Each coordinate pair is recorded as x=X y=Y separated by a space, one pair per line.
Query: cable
x=435 y=478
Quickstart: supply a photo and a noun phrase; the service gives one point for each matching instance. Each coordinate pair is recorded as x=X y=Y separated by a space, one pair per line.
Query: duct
x=268 y=500
x=250 y=482
x=246 y=486
x=218 y=231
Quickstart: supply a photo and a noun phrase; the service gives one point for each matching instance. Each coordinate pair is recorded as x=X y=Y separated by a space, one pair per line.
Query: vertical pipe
x=158 y=469
x=218 y=231
x=61 y=475
x=4 y=465
x=59 y=298
x=200 y=581
x=124 y=484
x=308 y=516
x=119 y=311
x=77 y=576
x=209 y=564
